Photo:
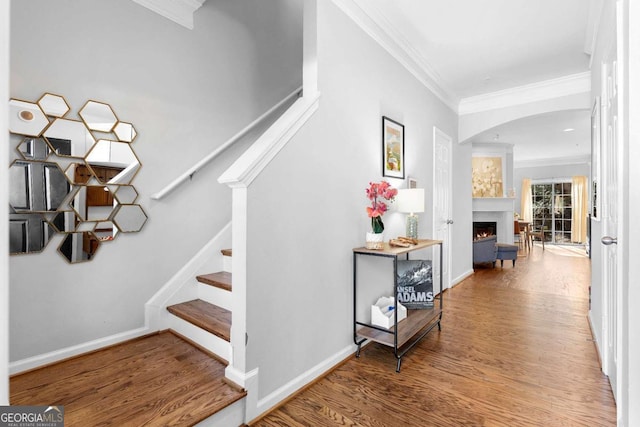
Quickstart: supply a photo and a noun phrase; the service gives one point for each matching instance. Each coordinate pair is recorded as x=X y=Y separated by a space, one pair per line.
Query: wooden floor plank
x=156 y=380
x=515 y=350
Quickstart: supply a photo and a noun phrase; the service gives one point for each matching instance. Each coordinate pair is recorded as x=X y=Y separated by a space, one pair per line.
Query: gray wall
x=186 y=92
x=307 y=208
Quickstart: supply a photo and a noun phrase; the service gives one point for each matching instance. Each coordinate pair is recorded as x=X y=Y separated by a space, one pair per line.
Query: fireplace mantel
x=493 y=204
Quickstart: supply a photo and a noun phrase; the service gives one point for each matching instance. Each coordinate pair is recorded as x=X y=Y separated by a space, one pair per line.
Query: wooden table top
x=394 y=250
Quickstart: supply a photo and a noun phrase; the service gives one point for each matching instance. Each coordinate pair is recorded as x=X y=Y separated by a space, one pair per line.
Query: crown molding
x=559 y=161
x=179 y=11
x=593 y=25
x=534 y=92
x=373 y=23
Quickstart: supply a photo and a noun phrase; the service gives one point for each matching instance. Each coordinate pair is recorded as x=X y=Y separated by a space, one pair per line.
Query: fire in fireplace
x=483 y=229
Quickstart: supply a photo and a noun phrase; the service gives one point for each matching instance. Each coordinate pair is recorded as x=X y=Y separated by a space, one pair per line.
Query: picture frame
x=392 y=148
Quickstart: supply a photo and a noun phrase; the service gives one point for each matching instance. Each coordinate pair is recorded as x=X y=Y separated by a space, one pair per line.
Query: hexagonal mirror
x=126 y=194
x=69 y=138
x=113 y=162
x=28 y=233
x=98 y=116
x=26 y=118
x=34 y=149
x=106 y=231
x=125 y=132
x=79 y=246
x=37 y=186
x=93 y=202
x=65 y=221
x=129 y=218
x=53 y=105
x=79 y=173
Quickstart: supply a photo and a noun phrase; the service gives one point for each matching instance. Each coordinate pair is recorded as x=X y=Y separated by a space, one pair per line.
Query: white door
x=610 y=220
x=442 y=209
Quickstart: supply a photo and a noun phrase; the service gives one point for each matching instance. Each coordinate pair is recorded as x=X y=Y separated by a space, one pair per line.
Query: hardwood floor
x=515 y=350
x=157 y=380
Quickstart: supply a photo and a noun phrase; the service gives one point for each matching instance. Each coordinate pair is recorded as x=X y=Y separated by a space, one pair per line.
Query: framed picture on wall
x=392 y=148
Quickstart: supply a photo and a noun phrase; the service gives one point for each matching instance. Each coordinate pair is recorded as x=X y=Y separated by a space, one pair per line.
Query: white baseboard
x=595 y=338
x=274 y=398
x=65 y=353
x=462 y=277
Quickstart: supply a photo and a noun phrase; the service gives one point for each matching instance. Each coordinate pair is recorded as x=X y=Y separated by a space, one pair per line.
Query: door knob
x=449 y=221
x=606 y=240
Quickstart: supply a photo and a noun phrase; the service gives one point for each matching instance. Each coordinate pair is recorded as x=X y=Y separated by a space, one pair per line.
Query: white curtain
x=526 y=203
x=580 y=206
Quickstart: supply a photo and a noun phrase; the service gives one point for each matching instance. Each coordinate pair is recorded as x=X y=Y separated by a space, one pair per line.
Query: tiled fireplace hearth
x=498 y=210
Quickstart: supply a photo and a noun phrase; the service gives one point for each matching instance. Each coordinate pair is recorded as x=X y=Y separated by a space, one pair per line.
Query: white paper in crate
x=382 y=312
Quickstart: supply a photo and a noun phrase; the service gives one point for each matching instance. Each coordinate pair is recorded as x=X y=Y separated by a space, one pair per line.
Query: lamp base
x=412 y=226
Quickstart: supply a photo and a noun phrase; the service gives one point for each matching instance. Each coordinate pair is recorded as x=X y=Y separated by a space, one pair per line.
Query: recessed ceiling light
x=568 y=130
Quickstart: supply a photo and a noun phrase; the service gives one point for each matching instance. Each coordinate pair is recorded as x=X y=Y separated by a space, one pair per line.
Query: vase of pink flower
x=380 y=194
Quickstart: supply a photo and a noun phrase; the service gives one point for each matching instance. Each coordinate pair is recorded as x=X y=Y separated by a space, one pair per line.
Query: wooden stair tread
x=154 y=380
x=221 y=279
x=209 y=317
x=226 y=252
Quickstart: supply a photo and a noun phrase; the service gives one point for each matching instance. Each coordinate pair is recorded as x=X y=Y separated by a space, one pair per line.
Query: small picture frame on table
x=392 y=148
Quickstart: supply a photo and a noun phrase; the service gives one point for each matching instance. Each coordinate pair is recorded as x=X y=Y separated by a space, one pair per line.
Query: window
x=552 y=210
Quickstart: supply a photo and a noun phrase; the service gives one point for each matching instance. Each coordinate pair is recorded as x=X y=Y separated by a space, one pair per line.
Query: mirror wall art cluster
x=71 y=176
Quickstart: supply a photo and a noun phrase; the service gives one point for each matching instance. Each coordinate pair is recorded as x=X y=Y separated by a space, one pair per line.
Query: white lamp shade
x=410 y=200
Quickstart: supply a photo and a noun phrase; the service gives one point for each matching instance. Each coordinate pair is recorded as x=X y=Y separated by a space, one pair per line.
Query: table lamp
x=411 y=201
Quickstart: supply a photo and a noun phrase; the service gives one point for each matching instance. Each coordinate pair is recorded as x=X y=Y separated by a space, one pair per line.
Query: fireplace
x=484 y=229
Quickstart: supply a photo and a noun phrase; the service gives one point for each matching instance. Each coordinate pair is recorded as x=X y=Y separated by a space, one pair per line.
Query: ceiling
x=478 y=47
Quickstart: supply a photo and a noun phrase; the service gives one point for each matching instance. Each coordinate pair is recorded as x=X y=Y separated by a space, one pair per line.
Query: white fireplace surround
x=498 y=210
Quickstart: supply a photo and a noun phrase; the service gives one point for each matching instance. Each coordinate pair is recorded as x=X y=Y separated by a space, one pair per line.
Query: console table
x=406 y=334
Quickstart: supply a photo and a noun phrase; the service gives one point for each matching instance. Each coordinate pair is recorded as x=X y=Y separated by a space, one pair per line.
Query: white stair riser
x=232 y=415
x=226 y=263
x=207 y=340
x=215 y=296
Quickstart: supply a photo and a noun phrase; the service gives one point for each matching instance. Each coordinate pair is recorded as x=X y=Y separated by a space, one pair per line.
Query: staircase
x=206 y=320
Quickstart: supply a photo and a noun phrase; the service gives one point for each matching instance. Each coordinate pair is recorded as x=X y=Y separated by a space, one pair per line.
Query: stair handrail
x=215 y=153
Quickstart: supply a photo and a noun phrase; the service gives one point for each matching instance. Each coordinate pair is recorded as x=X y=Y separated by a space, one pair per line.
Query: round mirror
x=37 y=186
x=34 y=149
x=53 y=105
x=69 y=138
x=28 y=233
x=79 y=246
x=26 y=118
x=98 y=116
x=113 y=162
x=125 y=132
x=129 y=218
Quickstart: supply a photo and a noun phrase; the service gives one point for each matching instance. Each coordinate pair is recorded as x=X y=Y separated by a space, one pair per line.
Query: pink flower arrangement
x=377 y=193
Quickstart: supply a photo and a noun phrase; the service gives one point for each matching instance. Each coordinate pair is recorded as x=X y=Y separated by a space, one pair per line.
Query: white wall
x=186 y=92
x=307 y=208
x=632 y=352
